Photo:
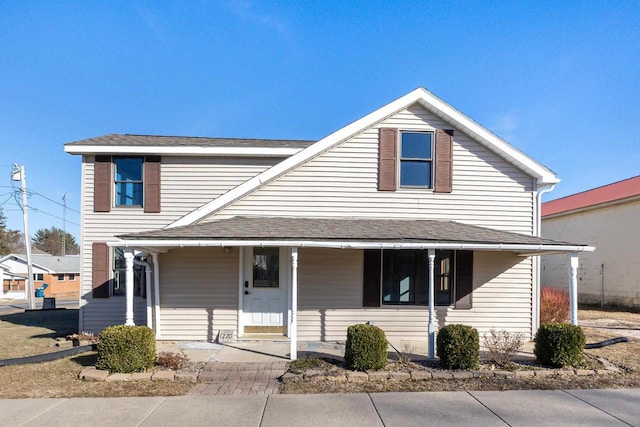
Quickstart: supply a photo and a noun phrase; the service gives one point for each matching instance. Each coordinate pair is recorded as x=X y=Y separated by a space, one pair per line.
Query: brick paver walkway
x=217 y=378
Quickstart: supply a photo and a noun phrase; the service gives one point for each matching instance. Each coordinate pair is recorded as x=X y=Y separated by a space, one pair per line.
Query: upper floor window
x=61 y=277
x=72 y=276
x=416 y=159
x=128 y=181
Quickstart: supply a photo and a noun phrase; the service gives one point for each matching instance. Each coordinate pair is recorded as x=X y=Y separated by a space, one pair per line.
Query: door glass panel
x=266 y=271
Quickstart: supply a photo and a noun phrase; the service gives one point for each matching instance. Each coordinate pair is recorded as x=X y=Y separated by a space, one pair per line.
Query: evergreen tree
x=9 y=239
x=50 y=241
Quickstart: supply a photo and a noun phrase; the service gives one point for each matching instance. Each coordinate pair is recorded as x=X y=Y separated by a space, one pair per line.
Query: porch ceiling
x=347 y=233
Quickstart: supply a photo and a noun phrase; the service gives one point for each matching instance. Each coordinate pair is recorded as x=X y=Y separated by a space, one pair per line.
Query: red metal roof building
x=607 y=194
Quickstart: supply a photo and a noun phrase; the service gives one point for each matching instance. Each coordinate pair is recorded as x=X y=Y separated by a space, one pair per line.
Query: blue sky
x=559 y=80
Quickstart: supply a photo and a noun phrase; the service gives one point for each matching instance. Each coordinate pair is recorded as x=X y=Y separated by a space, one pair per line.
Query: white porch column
x=128 y=258
x=156 y=292
x=293 y=322
x=432 y=311
x=241 y=279
x=1 y=282
x=573 y=288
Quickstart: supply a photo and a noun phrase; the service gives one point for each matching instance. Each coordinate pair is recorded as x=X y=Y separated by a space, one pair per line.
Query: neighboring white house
x=608 y=218
x=411 y=217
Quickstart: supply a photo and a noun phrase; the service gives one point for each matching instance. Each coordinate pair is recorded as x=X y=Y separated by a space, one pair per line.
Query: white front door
x=265 y=284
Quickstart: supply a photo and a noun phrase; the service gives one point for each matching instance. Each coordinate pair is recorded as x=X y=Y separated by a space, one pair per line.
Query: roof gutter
x=524 y=248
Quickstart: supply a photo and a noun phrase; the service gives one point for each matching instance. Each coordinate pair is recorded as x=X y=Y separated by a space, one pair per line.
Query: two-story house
x=411 y=217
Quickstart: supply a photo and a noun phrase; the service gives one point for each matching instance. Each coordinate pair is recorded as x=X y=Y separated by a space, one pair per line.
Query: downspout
x=147 y=282
x=537 y=224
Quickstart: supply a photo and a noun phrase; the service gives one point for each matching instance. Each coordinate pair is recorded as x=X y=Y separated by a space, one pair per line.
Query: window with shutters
x=416 y=159
x=128 y=181
x=405 y=277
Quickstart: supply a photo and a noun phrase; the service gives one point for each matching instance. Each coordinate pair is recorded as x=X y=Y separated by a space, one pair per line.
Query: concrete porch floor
x=278 y=350
x=250 y=350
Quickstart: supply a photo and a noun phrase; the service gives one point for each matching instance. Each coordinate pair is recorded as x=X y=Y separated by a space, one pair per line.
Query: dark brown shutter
x=102 y=184
x=151 y=182
x=371 y=278
x=444 y=161
x=100 y=268
x=464 y=279
x=387 y=160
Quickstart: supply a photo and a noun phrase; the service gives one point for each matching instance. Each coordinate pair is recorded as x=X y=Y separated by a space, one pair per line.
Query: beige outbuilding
x=608 y=218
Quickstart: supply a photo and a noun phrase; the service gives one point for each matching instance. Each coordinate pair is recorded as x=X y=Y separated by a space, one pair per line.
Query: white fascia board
x=183 y=151
x=489 y=139
x=530 y=249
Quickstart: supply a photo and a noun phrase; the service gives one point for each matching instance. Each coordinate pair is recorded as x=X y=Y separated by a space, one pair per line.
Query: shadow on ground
x=61 y=322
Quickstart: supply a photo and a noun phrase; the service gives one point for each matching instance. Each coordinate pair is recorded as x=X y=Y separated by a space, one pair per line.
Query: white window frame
x=431 y=160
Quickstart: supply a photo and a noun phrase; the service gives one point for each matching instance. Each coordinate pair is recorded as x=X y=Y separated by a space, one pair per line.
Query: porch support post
x=1 y=282
x=432 y=313
x=128 y=258
x=293 y=322
x=241 y=251
x=147 y=285
x=156 y=292
x=573 y=288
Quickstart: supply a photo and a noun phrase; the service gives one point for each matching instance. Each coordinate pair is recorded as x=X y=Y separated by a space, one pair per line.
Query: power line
x=51 y=215
x=53 y=201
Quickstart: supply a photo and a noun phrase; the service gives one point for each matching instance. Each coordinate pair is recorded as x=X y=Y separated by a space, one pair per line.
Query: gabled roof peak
x=420 y=96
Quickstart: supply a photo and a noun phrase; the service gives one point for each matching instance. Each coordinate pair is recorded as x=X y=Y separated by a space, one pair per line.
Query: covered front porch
x=337 y=248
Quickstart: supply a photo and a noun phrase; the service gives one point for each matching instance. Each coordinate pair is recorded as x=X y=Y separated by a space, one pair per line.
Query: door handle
x=247 y=292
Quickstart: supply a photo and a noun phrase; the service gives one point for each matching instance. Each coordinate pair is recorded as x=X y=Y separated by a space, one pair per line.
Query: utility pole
x=18 y=174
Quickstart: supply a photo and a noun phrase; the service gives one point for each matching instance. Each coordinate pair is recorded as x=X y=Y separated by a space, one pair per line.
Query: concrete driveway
x=482 y=408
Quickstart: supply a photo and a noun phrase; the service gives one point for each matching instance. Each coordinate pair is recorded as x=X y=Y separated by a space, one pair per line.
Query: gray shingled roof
x=116 y=140
x=58 y=264
x=378 y=230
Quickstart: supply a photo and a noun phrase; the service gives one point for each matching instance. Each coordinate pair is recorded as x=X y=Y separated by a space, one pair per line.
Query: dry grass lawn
x=35 y=332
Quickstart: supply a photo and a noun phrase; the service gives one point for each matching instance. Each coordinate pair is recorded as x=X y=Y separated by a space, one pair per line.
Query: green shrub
x=559 y=345
x=458 y=347
x=126 y=349
x=366 y=348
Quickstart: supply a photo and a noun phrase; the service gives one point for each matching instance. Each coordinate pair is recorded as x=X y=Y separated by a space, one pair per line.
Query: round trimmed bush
x=126 y=349
x=458 y=347
x=366 y=348
x=559 y=345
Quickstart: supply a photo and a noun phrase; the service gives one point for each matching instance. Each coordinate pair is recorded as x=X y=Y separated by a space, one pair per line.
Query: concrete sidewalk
x=483 y=408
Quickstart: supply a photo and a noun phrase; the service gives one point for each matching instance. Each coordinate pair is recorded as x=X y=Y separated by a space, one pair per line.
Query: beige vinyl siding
x=330 y=298
x=487 y=190
x=186 y=184
x=198 y=293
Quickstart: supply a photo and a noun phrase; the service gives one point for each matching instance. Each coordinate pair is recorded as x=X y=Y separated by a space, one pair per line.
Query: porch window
x=266 y=268
x=405 y=277
x=120 y=272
